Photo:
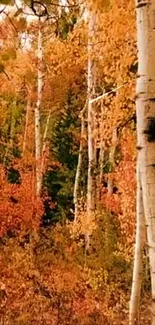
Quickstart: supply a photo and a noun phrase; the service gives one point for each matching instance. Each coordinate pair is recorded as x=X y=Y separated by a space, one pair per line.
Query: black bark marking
x=134 y=67
x=141 y=3
x=139 y=147
x=150 y=129
x=137 y=96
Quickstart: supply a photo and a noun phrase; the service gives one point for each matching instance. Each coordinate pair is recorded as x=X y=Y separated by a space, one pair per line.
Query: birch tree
x=91 y=151
x=101 y=154
x=44 y=147
x=79 y=165
x=10 y=144
x=28 y=108
x=145 y=106
x=37 y=110
x=138 y=255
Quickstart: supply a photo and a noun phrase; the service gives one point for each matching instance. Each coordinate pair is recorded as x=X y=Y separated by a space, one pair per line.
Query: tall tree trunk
x=37 y=111
x=138 y=264
x=102 y=149
x=79 y=166
x=91 y=153
x=28 y=107
x=44 y=148
x=11 y=134
x=101 y=166
x=101 y=153
x=145 y=105
x=112 y=160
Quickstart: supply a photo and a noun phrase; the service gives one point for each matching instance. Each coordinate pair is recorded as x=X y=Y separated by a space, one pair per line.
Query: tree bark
x=28 y=107
x=37 y=111
x=91 y=153
x=138 y=255
x=10 y=144
x=145 y=105
x=102 y=149
x=79 y=166
x=44 y=147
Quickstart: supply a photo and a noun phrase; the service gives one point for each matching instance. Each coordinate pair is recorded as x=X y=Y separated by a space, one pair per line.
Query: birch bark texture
x=37 y=110
x=145 y=106
x=138 y=256
x=79 y=165
x=44 y=147
x=91 y=149
x=101 y=155
x=28 y=108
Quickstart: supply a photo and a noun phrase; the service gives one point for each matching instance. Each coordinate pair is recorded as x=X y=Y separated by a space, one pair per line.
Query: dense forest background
x=49 y=273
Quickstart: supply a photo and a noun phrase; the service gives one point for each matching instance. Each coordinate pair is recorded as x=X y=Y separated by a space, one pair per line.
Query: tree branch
x=91 y=101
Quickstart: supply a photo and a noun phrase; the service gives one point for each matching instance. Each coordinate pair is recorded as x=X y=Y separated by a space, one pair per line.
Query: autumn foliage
x=47 y=277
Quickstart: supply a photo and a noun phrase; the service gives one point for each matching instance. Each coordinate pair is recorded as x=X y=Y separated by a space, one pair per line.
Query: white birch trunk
x=37 y=112
x=102 y=150
x=28 y=107
x=138 y=255
x=45 y=134
x=101 y=166
x=44 y=146
x=145 y=105
x=79 y=167
x=91 y=153
x=11 y=135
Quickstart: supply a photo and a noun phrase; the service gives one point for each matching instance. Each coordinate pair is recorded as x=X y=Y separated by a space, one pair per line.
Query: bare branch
x=10 y=20
x=91 y=101
x=2 y=10
x=83 y=109
x=7 y=75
